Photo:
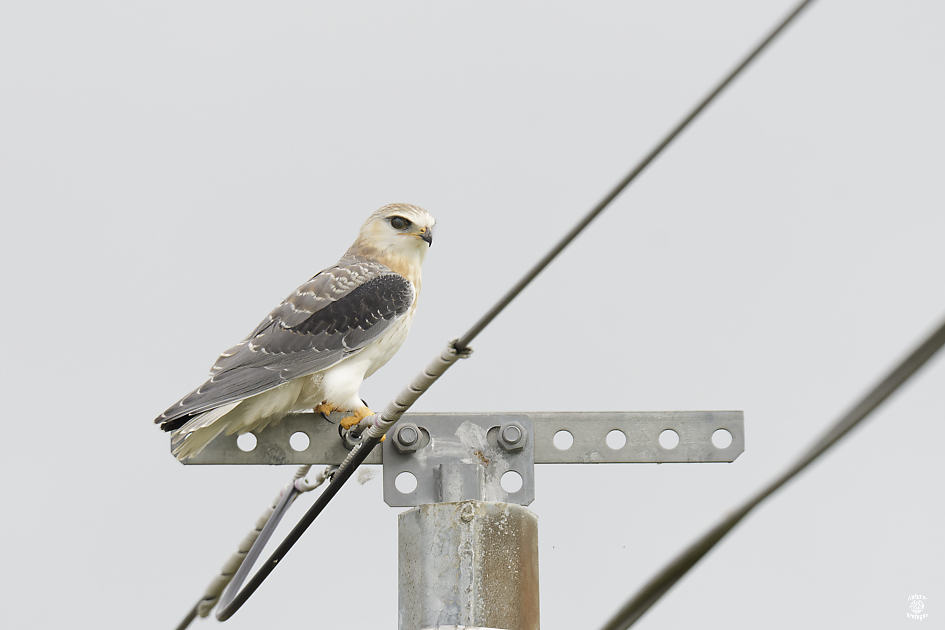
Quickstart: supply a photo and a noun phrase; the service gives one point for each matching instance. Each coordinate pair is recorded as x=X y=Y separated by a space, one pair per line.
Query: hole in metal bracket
x=299 y=441
x=512 y=481
x=246 y=442
x=616 y=439
x=563 y=440
x=406 y=482
x=669 y=439
x=722 y=438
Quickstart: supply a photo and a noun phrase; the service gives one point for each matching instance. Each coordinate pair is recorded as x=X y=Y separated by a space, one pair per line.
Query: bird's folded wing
x=330 y=317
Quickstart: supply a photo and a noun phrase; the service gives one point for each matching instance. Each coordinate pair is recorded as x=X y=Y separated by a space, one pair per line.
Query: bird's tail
x=193 y=436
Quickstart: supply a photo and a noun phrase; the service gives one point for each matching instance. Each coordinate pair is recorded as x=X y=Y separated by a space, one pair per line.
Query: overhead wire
x=679 y=566
x=484 y=321
x=240 y=562
x=459 y=348
x=235 y=595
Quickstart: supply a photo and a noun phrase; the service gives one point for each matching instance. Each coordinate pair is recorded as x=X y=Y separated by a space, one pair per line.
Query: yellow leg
x=359 y=415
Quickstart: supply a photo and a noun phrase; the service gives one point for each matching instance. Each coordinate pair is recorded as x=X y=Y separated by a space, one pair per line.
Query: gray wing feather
x=329 y=318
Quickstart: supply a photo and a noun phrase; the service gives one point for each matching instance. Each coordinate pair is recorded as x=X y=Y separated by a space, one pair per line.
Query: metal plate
x=464 y=448
x=272 y=444
x=588 y=428
x=642 y=430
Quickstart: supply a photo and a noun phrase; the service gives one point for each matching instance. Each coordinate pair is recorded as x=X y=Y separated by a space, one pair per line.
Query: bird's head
x=398 y=231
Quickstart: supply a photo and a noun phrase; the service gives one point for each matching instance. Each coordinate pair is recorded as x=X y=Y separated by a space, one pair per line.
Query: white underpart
x=337 y=385
x=340 y=384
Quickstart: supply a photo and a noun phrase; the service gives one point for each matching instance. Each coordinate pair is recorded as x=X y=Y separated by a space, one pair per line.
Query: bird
x=314 y=349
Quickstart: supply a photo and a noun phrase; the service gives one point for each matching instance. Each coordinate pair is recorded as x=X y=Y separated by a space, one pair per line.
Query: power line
x=232 y=602
x=675 y=570
x=463 y=341
x=460 y=347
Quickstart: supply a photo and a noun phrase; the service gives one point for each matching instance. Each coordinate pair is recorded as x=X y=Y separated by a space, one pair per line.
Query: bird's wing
x=332 y=316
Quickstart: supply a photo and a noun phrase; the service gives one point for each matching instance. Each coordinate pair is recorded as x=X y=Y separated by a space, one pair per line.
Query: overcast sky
x=170 y=170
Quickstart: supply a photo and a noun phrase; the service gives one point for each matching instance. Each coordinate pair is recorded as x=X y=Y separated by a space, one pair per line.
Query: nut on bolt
x=512 y=436
x=407 y=438
x=351 y=439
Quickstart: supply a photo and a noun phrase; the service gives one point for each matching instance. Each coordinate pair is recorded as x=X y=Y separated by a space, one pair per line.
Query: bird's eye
x=399 y=223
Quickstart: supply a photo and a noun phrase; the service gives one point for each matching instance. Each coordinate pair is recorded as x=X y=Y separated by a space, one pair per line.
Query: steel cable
x=463 y=341
x=675 y=570
x=460 y=347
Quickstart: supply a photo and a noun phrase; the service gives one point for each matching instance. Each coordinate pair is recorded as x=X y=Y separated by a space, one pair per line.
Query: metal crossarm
x=588 y=429
x=273 y=445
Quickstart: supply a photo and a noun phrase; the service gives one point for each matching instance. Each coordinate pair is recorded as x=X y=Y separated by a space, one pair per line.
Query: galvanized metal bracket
x=462 y=457
x=588 y=430
x=701 y=436
x=273 y=445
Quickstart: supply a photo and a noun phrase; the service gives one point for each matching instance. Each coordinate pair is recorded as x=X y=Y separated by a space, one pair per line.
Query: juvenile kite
x=315 y=348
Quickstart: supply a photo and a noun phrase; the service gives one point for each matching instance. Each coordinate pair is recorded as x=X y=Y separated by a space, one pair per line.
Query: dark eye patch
x=399 y=223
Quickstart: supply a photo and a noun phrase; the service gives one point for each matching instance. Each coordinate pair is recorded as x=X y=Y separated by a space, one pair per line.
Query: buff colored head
x=397 y=232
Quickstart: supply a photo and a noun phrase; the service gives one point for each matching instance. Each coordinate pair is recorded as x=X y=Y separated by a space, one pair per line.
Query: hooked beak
x=427 y=235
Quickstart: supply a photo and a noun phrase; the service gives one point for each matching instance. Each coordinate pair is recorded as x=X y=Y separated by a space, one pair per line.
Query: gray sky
x=171 y=170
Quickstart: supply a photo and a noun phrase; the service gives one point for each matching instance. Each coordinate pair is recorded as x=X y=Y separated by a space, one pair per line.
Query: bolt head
x=406 y=438
x=512 y=436
x=408 y=435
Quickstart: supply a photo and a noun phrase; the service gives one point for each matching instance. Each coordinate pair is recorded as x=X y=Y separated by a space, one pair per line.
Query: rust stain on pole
x=472 y=563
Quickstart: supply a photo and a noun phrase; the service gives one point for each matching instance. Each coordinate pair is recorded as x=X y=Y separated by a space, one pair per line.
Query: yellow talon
x=359 y=415
x=325 y=409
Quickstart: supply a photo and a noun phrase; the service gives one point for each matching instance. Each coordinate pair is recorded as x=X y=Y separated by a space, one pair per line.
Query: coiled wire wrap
x=236 y=567
x=235 y=570
x=382 y=423
x=239 y=565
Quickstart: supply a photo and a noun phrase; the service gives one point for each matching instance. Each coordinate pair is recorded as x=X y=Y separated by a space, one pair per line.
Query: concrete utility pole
x=468 y=550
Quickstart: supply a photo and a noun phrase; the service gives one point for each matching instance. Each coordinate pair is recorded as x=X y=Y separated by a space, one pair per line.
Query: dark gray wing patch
x=383 y=298
x=331 y=317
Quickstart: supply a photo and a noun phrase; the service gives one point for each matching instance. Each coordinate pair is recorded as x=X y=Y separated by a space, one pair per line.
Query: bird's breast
x=387 y=345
